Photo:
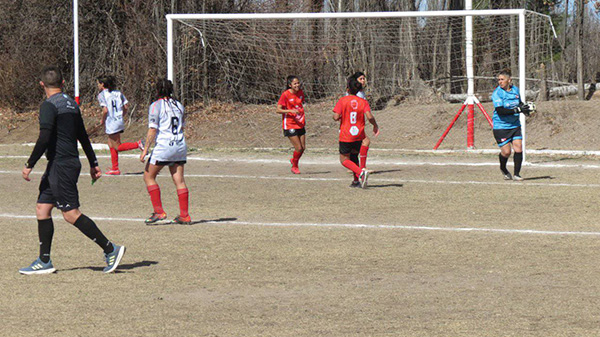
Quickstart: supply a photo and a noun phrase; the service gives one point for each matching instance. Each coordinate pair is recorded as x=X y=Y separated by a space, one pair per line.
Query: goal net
x=409 y=58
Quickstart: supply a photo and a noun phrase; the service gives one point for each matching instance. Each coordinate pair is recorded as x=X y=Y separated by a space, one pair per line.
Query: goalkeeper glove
x=523 y=108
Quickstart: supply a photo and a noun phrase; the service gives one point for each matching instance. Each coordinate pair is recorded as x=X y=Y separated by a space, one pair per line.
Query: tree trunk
x=579 y=40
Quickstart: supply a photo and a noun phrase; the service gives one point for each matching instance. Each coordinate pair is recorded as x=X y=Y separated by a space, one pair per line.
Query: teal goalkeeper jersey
x=506 y=99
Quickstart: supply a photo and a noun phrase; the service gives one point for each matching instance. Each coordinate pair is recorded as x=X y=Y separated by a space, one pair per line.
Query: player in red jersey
x=293 y=120
x=351 y=111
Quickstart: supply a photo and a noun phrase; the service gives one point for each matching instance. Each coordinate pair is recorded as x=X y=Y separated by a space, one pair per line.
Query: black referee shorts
x=59 y=184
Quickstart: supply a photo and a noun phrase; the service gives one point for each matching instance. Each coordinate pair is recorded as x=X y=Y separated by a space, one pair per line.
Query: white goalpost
x=218 y=55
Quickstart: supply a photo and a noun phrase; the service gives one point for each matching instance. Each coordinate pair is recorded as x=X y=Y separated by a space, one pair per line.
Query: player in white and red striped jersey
x=293 y=118
x=114 y=106
x=165 y=126
x=351 y=111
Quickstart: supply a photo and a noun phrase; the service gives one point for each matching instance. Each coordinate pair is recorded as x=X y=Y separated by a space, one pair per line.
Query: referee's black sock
x=503 y=161
x=45 y=233
x=89 y=228
x=518 y=157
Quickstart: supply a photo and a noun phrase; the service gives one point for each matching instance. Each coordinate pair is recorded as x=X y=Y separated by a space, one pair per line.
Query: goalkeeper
x=507 y=127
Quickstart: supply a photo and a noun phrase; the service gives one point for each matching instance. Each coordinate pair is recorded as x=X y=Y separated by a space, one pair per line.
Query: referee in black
x=61 y=126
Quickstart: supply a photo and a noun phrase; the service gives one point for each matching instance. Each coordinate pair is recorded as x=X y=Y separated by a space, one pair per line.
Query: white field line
x=371 y=180
x=343 y=225
x=100 y=146
x=374 y=161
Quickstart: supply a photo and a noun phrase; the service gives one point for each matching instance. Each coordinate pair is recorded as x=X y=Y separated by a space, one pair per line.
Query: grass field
x=438 y=245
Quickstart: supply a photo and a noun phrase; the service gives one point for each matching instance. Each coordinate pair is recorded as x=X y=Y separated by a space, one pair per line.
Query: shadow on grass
x=320 y=172
x=385 y=185
x=120 y=268
x=134 y=173
x=384 y=171
x=167 y=223
x=539 y=178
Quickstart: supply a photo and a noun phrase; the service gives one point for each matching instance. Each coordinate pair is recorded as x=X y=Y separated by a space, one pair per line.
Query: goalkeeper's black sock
x=518 y=157
x=503 y=161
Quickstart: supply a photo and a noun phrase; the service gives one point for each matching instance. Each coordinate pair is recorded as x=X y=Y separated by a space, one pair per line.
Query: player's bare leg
x=182 y=194
x=150 y=174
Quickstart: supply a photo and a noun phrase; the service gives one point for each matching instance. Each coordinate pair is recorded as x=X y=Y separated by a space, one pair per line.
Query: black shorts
x=59 y=184
x=350 y=147
x=505 y=136
x=170 y=163
x=294 y=132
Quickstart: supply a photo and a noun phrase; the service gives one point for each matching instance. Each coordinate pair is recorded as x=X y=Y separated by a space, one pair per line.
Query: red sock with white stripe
x=183 y=195
x=114 y=158
x=363 y=156
x=154 y=192
x=352 y=167
x=128 y=146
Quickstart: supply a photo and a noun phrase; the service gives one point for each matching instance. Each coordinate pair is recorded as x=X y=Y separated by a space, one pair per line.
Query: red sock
x=183 y=195
x=363 y=156
x=154 y=192
x=351 y=166
x=114 y=157
x=127 y=146
x=296 y=158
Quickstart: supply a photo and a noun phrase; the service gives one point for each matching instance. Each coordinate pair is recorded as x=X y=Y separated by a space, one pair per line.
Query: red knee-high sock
x=296 y=158
x=352 y=167
x=154 y=192
x=183 y=195
x=363 y=156
x=114 y=157
x=127 y=146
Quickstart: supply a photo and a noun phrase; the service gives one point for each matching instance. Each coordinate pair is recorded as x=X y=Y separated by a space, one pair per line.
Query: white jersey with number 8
x=113 y=101
x=166 y=115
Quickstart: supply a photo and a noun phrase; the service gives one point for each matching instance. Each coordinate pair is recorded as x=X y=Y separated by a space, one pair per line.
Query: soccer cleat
x=517 y=177
x=141 y=143
x=113 y=172
x=38 y=267
x=363 y=177
x=355 y=183
x=507 y=176
x=113 y=259
x=295 y=169
x=156 y=217
x=182 y=220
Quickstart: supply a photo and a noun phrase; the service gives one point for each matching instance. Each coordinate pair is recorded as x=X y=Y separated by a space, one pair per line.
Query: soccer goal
x=418 y=56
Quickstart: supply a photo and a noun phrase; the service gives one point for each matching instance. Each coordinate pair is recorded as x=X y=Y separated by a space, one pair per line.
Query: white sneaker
x=363 y=177
x=517 y=177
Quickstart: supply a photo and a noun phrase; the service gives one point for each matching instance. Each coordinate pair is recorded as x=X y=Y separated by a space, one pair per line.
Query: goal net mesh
x=408 y=59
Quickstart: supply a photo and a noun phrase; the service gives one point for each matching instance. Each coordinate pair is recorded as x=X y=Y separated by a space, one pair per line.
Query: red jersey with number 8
x=352 y=124
x=291 y=101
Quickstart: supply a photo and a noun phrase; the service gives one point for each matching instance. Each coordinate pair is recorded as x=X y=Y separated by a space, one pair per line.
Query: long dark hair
x=354 y=86
x=164 y=88
x=109 y=82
